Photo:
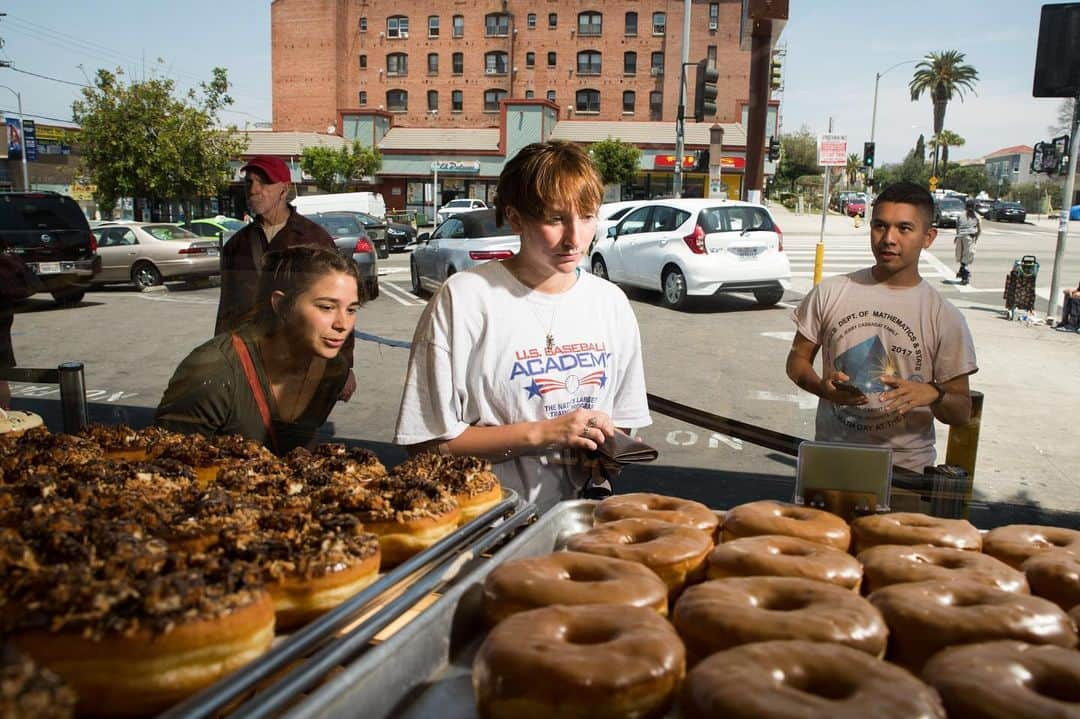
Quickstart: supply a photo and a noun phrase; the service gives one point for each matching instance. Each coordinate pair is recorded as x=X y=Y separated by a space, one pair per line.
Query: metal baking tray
x=425 y=669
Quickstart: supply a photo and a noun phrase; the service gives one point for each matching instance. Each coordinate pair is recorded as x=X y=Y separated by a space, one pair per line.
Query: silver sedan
x=462 y=241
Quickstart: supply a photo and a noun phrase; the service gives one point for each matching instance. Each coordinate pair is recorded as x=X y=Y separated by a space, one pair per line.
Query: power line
x=47 y=77
x=43 y=117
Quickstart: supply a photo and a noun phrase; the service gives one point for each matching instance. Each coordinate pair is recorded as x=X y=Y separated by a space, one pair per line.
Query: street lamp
x=873 y=116
x=22 y=126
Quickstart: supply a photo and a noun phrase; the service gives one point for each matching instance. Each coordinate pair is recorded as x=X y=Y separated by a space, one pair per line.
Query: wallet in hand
x=623 y=449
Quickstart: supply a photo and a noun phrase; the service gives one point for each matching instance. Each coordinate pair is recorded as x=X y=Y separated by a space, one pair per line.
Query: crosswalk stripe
x=401 y=296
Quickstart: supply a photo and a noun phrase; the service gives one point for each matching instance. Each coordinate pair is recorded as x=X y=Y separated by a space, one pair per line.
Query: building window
x=397 y=26
x=433 y=100
x=530 y=59
x=492 y=98
x=363 y=62
x=363 y=24
x=588 y=62
x=363 y=98
x=457 y=100
x=529 y=94
x=530 y=20
x=631 y=23
x=551 y=95
x=459 y=26
x=497 y=24
x=589 y=23
x=659 y=23
x=397 y=101
x=553 y=20
x=495 y=63
x=458 y=61
x=629 y=63
x=551 y=59
x=710 y=53
x=587 y=101
x=657 y=63
x=714 y=15
x=433 y=26
x=628 y=100
x=397 y=63
x=433 y=63
x=656 y=105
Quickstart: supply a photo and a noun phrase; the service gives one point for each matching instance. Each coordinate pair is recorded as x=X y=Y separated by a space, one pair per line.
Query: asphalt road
x=724 y=355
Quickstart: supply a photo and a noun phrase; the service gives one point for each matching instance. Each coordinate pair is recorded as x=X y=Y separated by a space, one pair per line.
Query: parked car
x=464 y=240
x=352 y=241
x=453 y=207
x=1007 y=212
x=948 y=211
x=50 y=234
x=221 y=227
x=696 y=247
x=376 y=232
x=400 y=235
x=149 y=253
x=839 y=200
x=983 y=206
x=608 y=215
x=855 y=206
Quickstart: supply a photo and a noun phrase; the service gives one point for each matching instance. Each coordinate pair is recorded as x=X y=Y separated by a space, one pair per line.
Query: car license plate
x=745 y=252
x=212 y=251
x=48 y=268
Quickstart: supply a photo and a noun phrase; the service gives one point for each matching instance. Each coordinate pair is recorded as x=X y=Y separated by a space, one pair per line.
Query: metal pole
x=1063 y=221
x=73 y=396
x=819 y=250
x=870 y=170
x=680 y=119
x=22 y=125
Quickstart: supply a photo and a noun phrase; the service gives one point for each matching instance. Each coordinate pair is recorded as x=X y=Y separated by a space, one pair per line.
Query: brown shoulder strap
x=256 y=388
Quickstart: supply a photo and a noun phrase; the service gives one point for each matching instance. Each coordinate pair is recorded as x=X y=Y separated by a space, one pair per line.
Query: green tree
x=1063 y=122
x=852 y=167
x=969 y=179
x=943 y=76
x=944 y=140
x=333 y=170
x=139 y=140
x=615 y=160
x=913 y=168
x=798 y=156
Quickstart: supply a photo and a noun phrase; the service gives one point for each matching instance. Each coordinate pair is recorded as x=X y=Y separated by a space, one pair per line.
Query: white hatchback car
x=696 y=247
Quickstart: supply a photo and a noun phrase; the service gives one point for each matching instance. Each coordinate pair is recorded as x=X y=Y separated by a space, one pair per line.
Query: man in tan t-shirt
x=895 y=354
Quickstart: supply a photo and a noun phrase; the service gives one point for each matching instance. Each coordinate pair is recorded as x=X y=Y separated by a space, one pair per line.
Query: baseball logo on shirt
x=567 y=378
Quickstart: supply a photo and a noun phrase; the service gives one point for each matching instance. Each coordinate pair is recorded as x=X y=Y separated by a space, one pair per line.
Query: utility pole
x=1066 y=204
x=819 y=249
x=680 y=119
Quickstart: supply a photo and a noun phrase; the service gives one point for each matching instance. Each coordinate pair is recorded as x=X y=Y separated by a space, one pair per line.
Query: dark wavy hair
x=292 y=271
x=908 y=193
x=545 y=175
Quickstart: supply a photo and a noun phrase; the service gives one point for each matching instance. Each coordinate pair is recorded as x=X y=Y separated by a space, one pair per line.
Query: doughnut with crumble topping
x=519 y=585
x=657 y=506
x=351 y=462
x=470 y=480
x=119 y=441
x=1014 y=544
x=194 y=450
x=774 y=555
x=29 y=690
x=888 y=564
x=912 y=528
x=675 y=552
x=771 y=517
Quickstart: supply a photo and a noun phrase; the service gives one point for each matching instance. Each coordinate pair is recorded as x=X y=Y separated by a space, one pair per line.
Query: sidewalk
x=1030 y=379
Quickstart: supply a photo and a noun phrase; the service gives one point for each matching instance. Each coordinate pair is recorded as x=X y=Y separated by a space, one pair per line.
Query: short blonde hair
x=544 y=175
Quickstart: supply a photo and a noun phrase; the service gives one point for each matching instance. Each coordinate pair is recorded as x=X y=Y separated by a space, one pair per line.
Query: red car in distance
x=855 y=206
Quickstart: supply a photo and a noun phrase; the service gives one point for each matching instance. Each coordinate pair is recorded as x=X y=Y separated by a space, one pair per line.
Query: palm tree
x=944 y=140
x=943 y=75
x=854 y=164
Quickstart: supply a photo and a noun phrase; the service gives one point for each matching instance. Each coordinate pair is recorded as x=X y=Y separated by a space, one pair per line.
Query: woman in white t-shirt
x=529 y=362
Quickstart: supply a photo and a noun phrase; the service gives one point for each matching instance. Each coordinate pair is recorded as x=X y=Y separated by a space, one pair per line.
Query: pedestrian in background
x=17 y=281
x=967 y=233
x=277 y=226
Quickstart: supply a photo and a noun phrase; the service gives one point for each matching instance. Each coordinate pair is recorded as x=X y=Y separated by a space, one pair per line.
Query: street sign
x=832 y=150
x=933 y=182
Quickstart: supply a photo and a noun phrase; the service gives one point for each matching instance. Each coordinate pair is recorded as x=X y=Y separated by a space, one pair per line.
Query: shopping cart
x=1020 y=286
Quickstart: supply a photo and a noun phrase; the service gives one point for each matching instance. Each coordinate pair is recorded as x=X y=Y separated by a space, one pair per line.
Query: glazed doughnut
x=1055 y=576
x=774 y=555
x=519 y=585
x=926 y=617
x=888 y=564
x=724 y=613
x=1074 y=615
x=28 y=690
x=913 y=528
x=657 y=506
x=14 y=422
x=1007 y=679
x=578 y=661
x=807 y=680
x=1016 y=543
x=676 y=553
x=791 y=520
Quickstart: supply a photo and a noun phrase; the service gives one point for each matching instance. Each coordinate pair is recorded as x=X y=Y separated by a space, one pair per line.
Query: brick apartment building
x=449 y=63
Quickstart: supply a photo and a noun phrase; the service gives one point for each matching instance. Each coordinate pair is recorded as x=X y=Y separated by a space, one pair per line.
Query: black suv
x=51 y=235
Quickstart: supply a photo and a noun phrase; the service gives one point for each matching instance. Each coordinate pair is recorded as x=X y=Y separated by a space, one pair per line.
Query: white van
x=370 y=202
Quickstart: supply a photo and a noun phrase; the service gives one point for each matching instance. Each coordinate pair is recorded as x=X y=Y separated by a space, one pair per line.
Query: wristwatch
x=940 y=393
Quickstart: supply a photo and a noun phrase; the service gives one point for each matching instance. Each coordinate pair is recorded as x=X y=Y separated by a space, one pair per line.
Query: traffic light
x=776 y=73
x=705 y=92
x=774 y=149
x=868 y=154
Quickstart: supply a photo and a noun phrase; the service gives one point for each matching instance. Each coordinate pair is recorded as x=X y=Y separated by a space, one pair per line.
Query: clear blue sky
x=834 y=49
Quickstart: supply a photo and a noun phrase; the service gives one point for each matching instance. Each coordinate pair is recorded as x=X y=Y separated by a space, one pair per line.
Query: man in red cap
x=277 y=225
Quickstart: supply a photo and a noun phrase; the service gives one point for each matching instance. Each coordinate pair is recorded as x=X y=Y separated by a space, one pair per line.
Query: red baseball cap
x=274 y=168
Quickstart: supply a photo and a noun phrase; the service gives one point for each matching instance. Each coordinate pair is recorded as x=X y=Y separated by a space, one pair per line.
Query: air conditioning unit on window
x=712 y=25
x=491 y=71
x=403 y=34
x=656 y=71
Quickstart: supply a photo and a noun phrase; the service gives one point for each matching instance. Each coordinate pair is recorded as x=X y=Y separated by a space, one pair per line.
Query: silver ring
x=585 y=432
x=592 y=422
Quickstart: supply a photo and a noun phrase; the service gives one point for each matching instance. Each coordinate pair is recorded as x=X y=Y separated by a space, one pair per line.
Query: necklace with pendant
x=549 y=335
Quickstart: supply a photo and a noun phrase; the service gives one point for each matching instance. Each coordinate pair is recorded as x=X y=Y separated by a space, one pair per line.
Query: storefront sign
x=461 y=166
x=661 y=162
x=732 y=163
x=81 y=192
x=30 y=138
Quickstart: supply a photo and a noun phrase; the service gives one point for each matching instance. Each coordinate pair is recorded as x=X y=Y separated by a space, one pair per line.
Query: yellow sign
x=81 y=192
x=47 y=133
x=933 y=183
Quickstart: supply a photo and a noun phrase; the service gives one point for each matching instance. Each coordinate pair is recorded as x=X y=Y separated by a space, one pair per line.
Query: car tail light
x=490 y=254
x=193 y=251
x=696 y=240
x=779 y=237
x=93 y=243
x=363 y=245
